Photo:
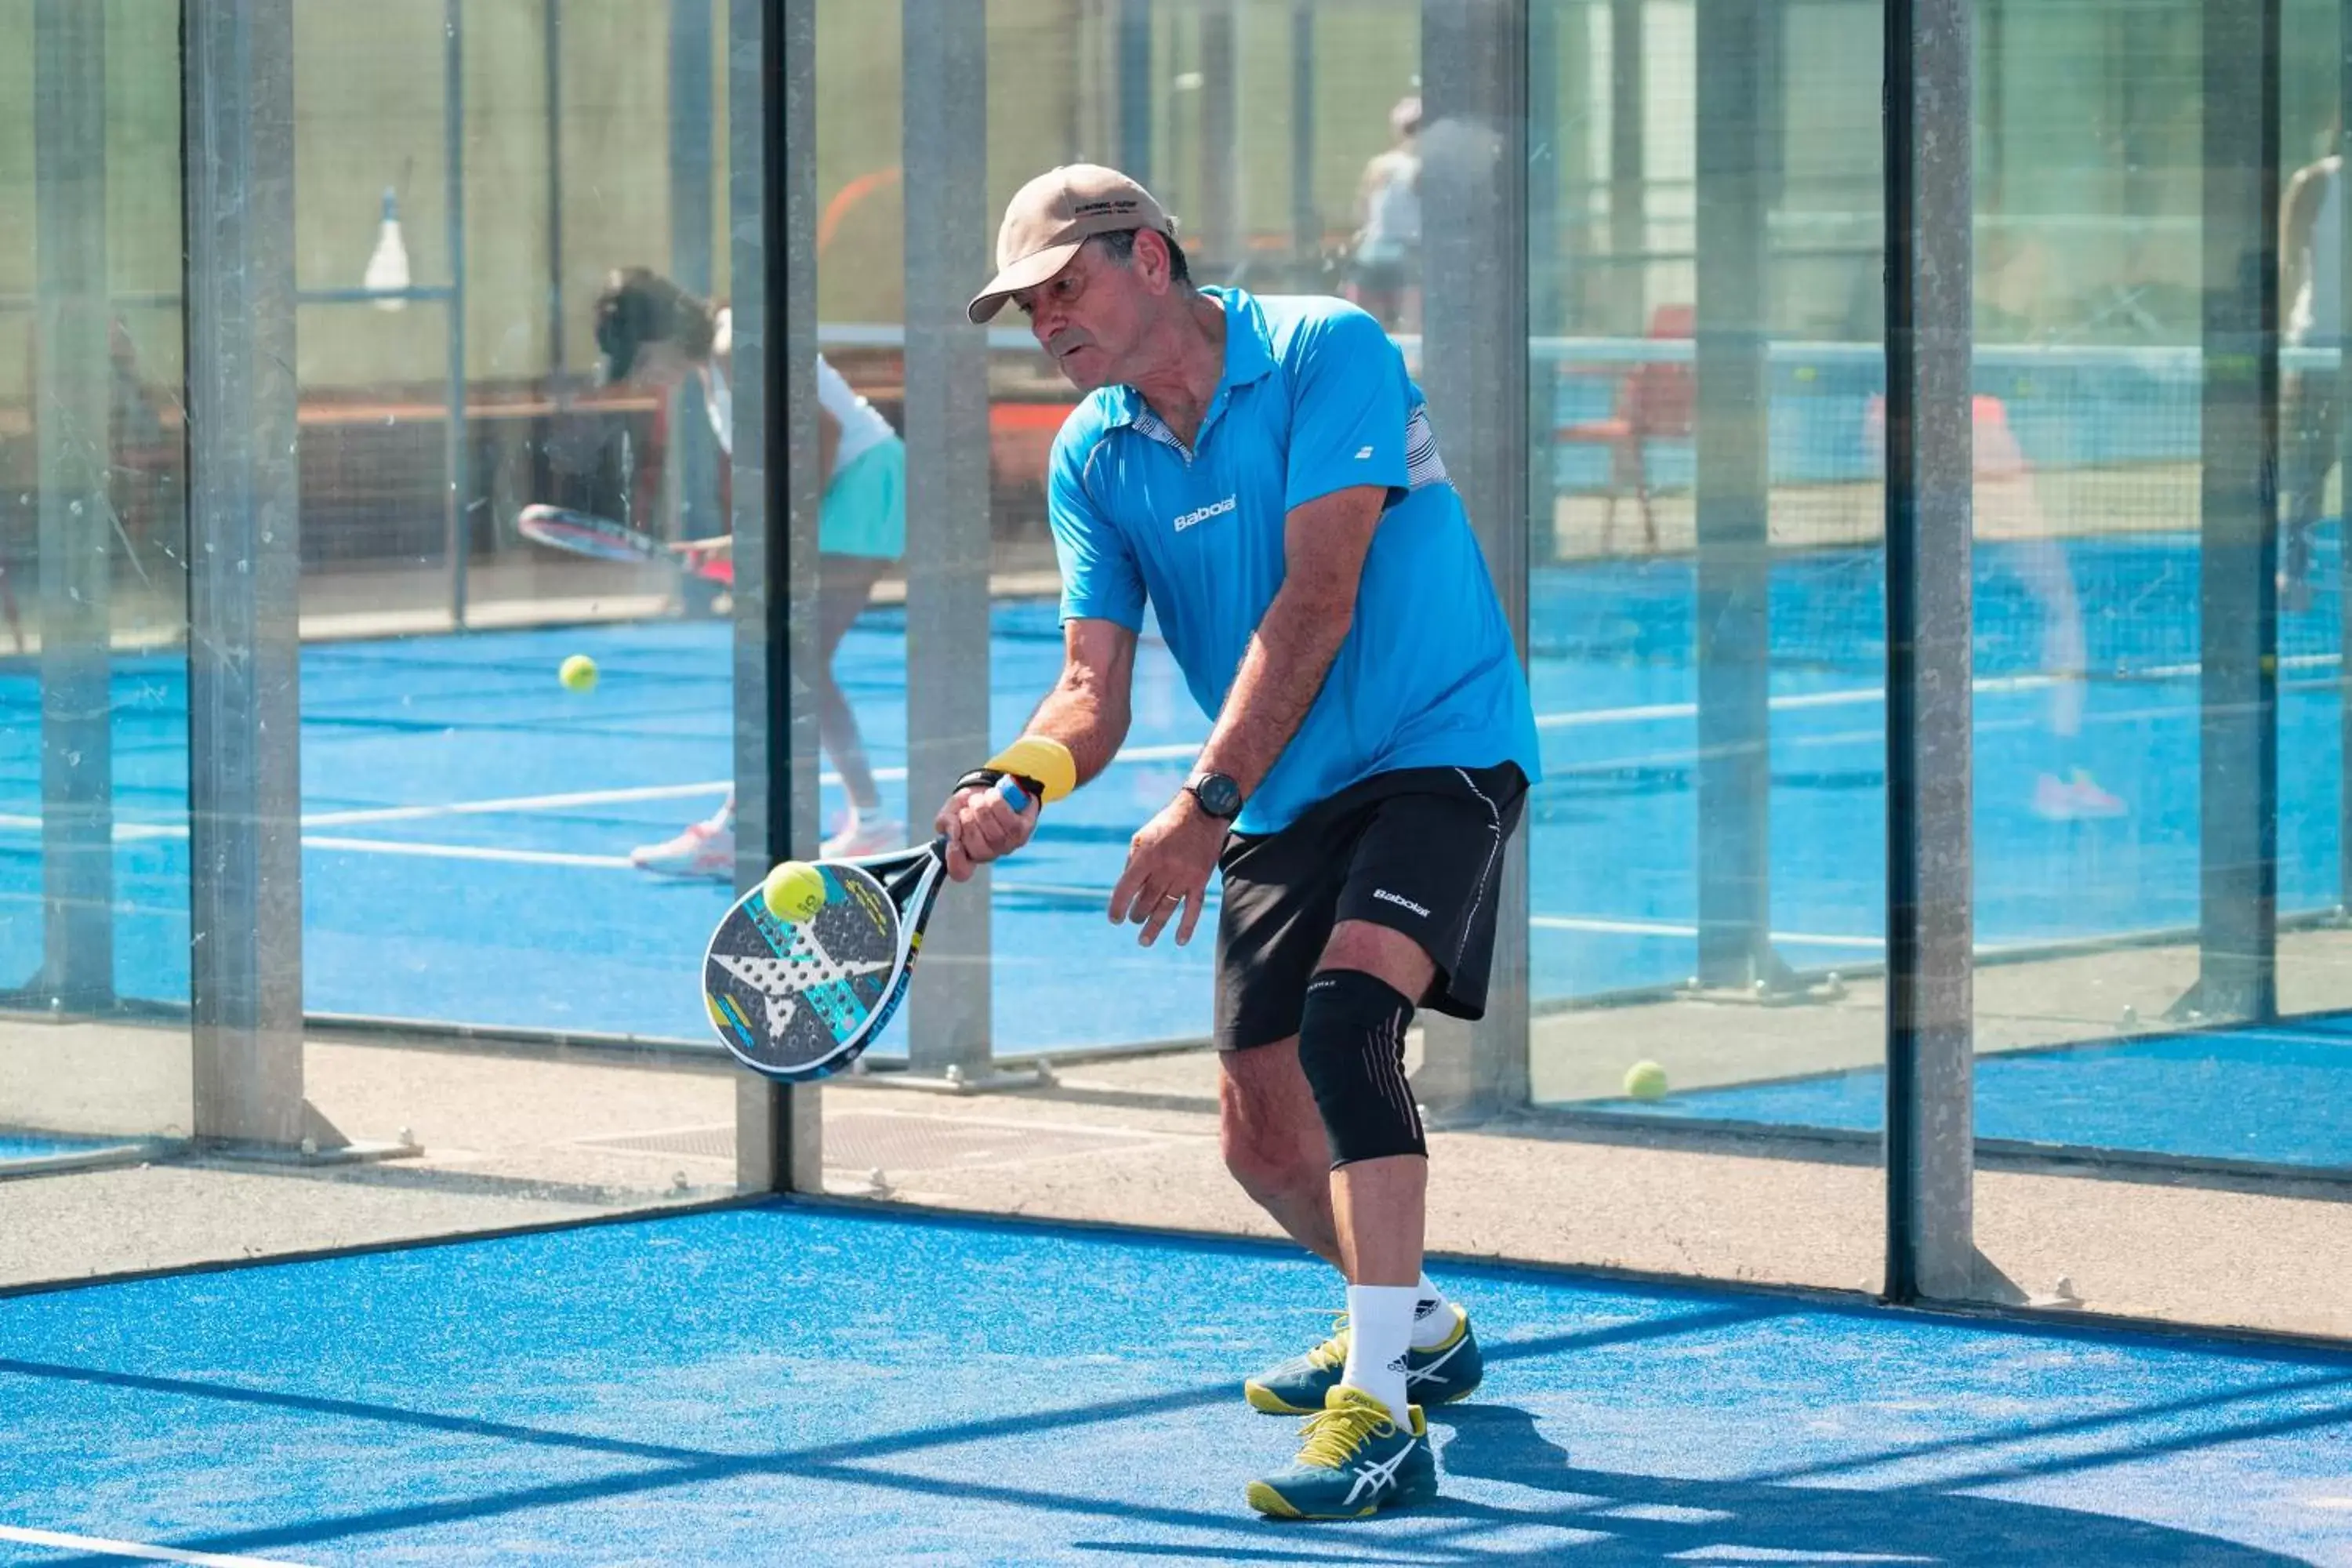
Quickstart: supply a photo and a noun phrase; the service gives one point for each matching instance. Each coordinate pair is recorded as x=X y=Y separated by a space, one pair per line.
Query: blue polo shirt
x=1314 y=399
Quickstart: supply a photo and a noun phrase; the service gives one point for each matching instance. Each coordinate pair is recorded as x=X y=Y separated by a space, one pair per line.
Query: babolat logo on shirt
x=1401 y=900
x=1214 y=509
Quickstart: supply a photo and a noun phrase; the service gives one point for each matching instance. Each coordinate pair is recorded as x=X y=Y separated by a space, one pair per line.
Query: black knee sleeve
x=1351 y=1048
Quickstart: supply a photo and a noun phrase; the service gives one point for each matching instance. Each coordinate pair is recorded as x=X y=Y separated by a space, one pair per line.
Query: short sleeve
x=1099 y=577
x=1351 y=403
x=833 y=394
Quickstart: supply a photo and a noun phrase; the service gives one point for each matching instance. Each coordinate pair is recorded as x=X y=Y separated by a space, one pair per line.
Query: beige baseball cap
x=1054 y=214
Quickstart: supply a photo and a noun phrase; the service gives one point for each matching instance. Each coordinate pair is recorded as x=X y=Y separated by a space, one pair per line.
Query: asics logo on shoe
x=1378 y=1474
x=1431 y=1373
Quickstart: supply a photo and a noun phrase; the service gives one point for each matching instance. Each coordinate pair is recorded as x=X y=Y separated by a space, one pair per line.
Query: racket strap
x=988 y=778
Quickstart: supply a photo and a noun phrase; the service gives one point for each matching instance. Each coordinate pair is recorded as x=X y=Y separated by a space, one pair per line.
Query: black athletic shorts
x=1419 y=850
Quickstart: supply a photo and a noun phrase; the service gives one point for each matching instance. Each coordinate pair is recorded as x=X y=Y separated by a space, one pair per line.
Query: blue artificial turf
x=806 y=1385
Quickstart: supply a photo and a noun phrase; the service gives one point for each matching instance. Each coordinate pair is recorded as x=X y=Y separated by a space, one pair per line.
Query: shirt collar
x=1249 y=355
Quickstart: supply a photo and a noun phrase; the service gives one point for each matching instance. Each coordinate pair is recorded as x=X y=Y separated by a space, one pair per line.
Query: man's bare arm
x=1325 y=541
x=2298 y=213
x=1090 y=706
x=1087 y=711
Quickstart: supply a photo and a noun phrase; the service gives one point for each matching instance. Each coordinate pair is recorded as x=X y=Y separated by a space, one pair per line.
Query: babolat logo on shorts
x=1401 y=902
x=1214 y=509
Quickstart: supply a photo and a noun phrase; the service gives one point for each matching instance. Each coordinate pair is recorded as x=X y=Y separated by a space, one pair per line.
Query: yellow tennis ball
x=578 y=673
x=794 y=891
x=1646 y=1080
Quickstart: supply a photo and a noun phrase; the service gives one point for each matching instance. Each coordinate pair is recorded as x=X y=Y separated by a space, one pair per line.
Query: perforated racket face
x=787 y=998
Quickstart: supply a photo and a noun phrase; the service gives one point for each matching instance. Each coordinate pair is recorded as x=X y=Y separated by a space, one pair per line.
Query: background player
x=656 y=335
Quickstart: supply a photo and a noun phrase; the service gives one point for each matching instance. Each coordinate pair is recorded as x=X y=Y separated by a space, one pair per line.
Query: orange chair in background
x=1656 y=400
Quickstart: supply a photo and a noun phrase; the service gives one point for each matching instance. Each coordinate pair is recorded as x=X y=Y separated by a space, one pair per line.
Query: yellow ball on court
x=1646 y=1080
x=578 y=673
x=794 y=891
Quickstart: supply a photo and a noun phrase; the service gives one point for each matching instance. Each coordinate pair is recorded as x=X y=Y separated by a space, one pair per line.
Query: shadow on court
x=876 y=1386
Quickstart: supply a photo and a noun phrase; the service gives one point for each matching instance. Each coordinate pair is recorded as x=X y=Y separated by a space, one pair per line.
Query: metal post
x=1629 y=241
x=1545 y=268
x=552 y=66
x=1474 y=183
x=244 y=792
x=1306 y=219
x=2238 y=590
x=459 y=531
x=1217 y=235
x=771 y=202
x=76 y=541
x=1132 y=50
x=695 y=473
x=2344 y=459
x=1931 y=920
x=945 y=155
x=1734 y=502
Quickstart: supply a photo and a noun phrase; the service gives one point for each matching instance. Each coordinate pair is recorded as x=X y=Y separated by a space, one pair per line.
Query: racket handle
x=1018 y=790
x=1009 y=789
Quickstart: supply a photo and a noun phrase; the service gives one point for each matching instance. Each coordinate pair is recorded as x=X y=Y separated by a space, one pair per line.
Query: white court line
x=124 y=832
x=1168 y=753
x=132 y=1549
x=1668 y=928
x=511 y=803
x=1051 y=891
x=469 y=852
x=1583 y=718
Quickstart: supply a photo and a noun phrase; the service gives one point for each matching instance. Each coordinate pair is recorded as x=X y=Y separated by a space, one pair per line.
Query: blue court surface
x=24 y=1153
x=468 y=822
x=2273 y=1095
x=804 y=1383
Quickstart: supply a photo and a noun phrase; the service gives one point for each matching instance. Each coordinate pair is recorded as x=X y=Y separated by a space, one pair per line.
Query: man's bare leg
x=1275 y=1145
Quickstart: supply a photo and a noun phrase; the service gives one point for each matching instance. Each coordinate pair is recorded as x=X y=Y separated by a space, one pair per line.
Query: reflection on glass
x=94 y=1045
x=1708 y=953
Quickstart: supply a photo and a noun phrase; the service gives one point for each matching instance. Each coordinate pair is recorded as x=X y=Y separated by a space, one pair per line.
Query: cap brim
x=1037 y=267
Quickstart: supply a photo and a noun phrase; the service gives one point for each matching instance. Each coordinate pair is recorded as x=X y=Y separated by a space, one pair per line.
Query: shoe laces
x=1334 y=1435
x=1332 y=1352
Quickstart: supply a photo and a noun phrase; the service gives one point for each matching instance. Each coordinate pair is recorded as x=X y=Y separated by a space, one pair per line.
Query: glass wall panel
x=2157 y=1065
x=1707 y=631
x=95 y=1061
x=511 y=242
x=497 y=730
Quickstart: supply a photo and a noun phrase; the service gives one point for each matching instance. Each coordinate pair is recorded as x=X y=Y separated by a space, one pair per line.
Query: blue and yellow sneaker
x=1356 y=1461
x=1441 y=1375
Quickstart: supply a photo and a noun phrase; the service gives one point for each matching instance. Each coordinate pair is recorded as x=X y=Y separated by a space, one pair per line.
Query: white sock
x=1432 y=1316
x=1380 y=1326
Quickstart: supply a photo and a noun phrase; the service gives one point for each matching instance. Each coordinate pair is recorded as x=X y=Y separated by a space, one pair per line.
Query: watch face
x=1219 y=795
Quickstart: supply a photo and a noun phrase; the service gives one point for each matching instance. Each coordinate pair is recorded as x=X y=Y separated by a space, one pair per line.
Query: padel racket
x=798 y=1000
x=604 y=539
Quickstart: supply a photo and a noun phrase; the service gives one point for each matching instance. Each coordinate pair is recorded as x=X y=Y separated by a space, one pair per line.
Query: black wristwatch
x=1219 y=795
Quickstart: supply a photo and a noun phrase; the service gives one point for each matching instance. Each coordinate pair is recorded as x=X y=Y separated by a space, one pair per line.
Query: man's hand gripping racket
x=798 y=999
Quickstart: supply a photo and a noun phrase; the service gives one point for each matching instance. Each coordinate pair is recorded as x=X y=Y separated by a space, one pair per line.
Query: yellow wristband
x=1041 y=758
